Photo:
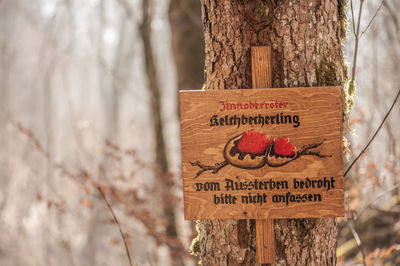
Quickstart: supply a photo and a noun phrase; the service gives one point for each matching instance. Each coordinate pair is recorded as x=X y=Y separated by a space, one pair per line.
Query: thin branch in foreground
x=356 y=38
x=118 y=224
x=372 y=19
x=357 y=238
x=386 y=192
x=352 y=18
x=375 y=134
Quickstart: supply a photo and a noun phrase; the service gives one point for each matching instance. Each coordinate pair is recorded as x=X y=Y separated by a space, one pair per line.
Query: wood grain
x=320 y=117
x=261 y=67
x=261 y=78
x=319 y=111
x=265 y=241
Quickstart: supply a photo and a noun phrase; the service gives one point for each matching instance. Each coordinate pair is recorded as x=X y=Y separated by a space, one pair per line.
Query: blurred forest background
x=88 y=105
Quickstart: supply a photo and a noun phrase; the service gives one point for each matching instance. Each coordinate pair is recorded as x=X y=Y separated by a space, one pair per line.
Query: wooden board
x=265 y=241
x=261 y=77
x=268 y=179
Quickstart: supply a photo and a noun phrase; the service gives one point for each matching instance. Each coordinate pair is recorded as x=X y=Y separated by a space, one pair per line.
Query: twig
x=356 y=37
x=357 y=238
x=118 y=224
x=203 y=168
x=376 y=133
x=352 y=17
x=375 y=199
x=372 y=19
x=59 y=166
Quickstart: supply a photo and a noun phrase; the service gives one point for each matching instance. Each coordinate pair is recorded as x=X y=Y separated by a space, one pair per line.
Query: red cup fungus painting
x=253 y=150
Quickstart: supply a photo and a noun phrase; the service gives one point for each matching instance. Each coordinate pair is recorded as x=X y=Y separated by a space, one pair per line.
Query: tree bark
x=306 y=40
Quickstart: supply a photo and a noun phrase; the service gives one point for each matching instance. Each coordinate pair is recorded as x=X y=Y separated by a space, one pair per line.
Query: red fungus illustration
x=253 y=150
x=283 y=147
x=253 y=142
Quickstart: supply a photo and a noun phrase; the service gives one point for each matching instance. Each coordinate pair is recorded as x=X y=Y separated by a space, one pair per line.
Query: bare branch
x=385 y=193
x=352 y=18
x=356 y=237
x=118 y=224
x=373 y=137
x=372 y=19
x=357 y=38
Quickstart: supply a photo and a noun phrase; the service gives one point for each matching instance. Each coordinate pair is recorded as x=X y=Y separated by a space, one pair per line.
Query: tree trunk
x=306 y=40
x=187 y=43
x=164 y=181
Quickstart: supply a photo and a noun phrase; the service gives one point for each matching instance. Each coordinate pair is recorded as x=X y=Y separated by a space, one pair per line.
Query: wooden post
x=261 y=78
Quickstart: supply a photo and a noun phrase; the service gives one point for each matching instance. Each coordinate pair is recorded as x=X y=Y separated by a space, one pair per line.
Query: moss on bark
x=195 y=245
x=326 y=73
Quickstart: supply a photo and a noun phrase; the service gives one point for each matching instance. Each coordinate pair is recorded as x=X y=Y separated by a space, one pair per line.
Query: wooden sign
x=262 y=153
